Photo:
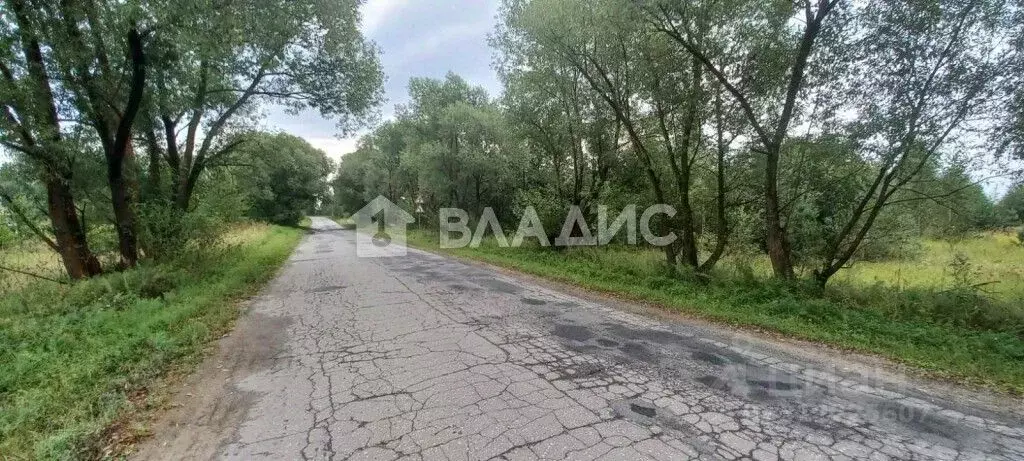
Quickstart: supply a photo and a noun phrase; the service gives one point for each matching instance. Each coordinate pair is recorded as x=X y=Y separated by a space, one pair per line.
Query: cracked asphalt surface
x=425 y=357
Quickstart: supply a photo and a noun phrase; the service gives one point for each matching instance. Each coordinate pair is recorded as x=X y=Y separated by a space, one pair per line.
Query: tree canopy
x=86 y=85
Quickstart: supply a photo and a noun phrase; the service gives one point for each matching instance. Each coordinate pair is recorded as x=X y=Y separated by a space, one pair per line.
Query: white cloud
x=376 y=12
x=334 y=148
x=433 y=43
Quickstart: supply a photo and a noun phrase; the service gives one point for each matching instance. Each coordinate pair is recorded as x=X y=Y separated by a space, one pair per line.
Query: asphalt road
x=425 y=357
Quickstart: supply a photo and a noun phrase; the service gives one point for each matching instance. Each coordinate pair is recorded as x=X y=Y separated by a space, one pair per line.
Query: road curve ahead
x=425 y=357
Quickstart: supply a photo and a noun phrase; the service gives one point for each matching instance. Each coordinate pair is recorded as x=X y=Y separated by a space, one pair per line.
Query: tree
x=98 y=82
x=653 y=98
x=572 y=136
x=386 y=174
x=58 y=79
x=217 y=60
x=348 y=185
x=766 y=32
x=1013 y=201
x=923 y=74
x=1007 y=121
x=459 y=144
x=281 y=176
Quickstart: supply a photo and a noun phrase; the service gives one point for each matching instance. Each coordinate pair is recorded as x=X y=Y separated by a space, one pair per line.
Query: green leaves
x=281 y=176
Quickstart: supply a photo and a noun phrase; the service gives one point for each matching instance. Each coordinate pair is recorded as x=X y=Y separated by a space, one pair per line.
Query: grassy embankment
x=942 y=318
x=75 y=359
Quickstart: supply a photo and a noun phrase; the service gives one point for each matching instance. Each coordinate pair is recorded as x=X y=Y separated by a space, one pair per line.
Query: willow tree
x=659 y=101
x=459 y=145
x=572 y=136
x=73 y=74
x=781 y=38
x=214 y=61
x=923 y=78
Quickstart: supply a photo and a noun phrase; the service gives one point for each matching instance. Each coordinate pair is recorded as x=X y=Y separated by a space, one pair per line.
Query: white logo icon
x=381 y=228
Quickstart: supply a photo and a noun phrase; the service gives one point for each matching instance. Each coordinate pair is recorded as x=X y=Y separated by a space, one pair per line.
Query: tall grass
x=71 y=355
x=31 y=257
x=997 y=260
x=915 y=316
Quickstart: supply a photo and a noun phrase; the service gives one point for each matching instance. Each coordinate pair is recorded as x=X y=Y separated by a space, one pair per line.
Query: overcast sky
x=417 y=38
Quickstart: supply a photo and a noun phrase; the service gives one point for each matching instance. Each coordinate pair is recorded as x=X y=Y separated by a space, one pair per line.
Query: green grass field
x=72 y=356
x=998 y=260
x=908 y=311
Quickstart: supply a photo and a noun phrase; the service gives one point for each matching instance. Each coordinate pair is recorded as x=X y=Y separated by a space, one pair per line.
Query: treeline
x=129 y=115
x=820 y=132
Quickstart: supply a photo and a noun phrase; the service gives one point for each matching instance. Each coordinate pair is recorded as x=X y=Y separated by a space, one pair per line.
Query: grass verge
x=72 y=357
x=896 y=324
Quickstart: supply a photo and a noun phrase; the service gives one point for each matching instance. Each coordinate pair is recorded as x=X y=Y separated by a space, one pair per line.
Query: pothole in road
x=707 y=357
x=775 y=385
x=499 y=286
x=643 y=410
x=573 y=332
x=922 y=420
x=637 y=351
x=714 y=382
x=607 y=343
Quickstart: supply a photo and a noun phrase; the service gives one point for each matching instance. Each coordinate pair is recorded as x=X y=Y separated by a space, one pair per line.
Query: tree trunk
x=120 y=152
x=124 y=214
x=687 y=239
x=183 y=191
x=822 y=276
x=722 y=227
x=74 y=250
x=154 y=179
x=690 y=143
x=778 y=242
x=670 y=256
x=187 y=187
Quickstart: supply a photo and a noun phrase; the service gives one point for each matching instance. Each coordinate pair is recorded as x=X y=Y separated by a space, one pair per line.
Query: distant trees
x=821 y=131
x=450 y=146
x=281 y=177
x=828 y=119
x=1013 y=203
x=84 y=85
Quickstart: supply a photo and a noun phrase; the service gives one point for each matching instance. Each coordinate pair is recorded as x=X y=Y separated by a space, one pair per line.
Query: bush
x=7 y=235
x=166 y=232
x=1020 y=236
x=222 y=197
x=286 y=177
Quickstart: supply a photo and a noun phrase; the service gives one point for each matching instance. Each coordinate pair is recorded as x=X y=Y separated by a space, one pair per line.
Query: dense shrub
x=283 y=176
x=7 y=235
x=166 y=232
